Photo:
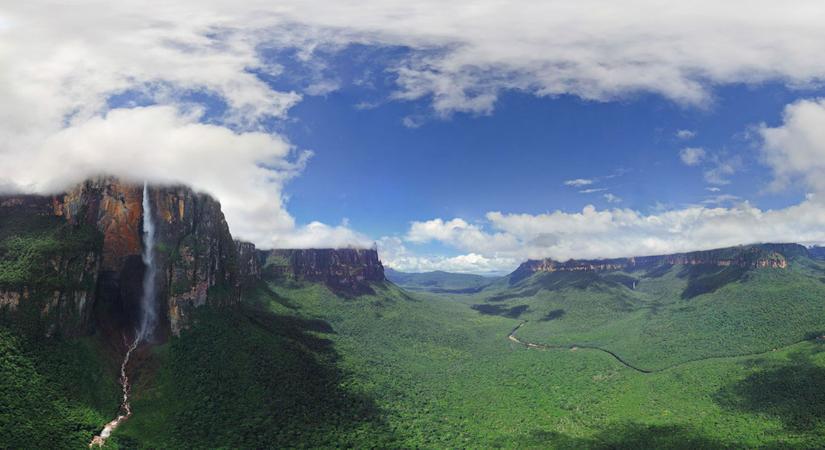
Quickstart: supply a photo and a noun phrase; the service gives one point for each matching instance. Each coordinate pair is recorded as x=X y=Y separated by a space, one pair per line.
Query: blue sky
x=379 y=174
x=464 y=136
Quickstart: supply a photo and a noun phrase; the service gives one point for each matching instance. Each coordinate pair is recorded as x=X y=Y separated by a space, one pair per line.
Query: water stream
x=125 y=408
x=148 y=319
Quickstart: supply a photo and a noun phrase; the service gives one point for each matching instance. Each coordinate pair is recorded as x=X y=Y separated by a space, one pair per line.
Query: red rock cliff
x=91 y=241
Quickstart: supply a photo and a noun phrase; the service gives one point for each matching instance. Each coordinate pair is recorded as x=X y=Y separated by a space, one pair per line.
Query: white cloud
x=592 y=190
x=692 y=156
x=394 y=254
x=459 y=233
x=685 y=134
x=721 y=199
x=796 y=149
x=717 y=169
x=720 y=171
x=611 y=198
x=712 y=189
x=579 y=182
x=245 y=170
x=63 y=62
x=319 y=235
x=412 y=122
x=610 y=233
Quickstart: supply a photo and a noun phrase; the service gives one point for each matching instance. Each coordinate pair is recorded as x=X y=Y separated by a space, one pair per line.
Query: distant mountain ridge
x=439 y=281
x=746 y=256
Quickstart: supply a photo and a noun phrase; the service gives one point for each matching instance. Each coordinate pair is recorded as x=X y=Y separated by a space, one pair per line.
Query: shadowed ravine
x=533 y=345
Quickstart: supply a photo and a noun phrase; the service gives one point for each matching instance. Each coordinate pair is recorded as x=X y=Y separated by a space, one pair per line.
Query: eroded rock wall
x=749 y=257
x=86 y=245
x=348 y=270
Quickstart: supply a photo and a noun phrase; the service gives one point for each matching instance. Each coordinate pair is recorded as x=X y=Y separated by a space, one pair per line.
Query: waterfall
x=148 y=319
x=148 y=309
x=125 y=408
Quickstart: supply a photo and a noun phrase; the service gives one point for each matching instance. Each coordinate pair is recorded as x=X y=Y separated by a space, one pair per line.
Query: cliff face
x=195 y=254
x=749 y=257
x=249 y=263
x=346 y=270
x=72 y=261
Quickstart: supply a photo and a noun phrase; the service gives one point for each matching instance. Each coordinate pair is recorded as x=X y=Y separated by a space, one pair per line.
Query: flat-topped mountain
x=73 y=261
x=349 y=270
x=74 y=253
x=747 y=256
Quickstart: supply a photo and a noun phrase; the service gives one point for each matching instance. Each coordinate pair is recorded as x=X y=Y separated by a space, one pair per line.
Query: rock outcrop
x=346 y=270
x=749 y=257
x=249 y=263
x=195 y=253
x=90 y=240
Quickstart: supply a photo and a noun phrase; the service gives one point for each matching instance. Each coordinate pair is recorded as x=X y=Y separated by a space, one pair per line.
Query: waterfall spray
x=148 y=309
x=148 y=319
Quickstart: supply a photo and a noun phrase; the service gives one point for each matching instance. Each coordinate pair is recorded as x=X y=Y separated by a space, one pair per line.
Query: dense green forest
x=736 y=366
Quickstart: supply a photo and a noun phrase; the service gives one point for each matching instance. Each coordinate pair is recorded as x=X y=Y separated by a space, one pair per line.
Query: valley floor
x=303 y=367
x=436 y=374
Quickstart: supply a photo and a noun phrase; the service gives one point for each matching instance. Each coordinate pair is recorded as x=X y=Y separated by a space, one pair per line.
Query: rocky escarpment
x=250 y=263
x=347 y=270
x=48 y=268
x=749 y=257
x=195 y=253
x=65 y=256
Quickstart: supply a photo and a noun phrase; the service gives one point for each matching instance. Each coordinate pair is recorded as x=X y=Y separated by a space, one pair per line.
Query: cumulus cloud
x=64 y=63
x=396 y=255
x=717 y=170
x=245 y=170
x=612 y=198
x=720 y=171
x=459 y=233
x=609 y=233
x=685 y=134
x=796 y=149
x=692 y=156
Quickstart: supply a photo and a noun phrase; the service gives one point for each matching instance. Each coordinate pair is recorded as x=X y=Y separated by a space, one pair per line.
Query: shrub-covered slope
x=663 y=315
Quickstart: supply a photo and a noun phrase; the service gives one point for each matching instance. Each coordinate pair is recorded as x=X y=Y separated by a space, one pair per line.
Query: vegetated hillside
x=439 y=281
x=54 y=393
x=656 y=316
x=305 y=367
x=299 y=364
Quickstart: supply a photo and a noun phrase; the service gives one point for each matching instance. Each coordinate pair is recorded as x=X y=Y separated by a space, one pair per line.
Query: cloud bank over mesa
x=67 y=68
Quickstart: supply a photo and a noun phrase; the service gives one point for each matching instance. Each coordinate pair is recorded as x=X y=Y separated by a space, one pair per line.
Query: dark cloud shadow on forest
x=792 y=391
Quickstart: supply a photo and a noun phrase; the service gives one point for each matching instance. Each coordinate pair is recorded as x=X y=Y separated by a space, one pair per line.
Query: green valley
x=314 y=348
